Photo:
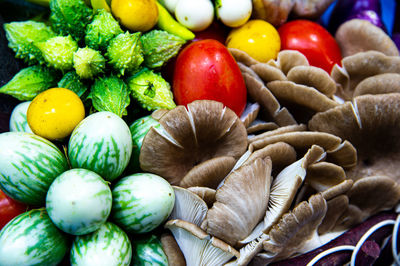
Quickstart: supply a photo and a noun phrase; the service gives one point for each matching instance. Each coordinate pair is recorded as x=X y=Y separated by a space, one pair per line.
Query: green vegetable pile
x=88 y=52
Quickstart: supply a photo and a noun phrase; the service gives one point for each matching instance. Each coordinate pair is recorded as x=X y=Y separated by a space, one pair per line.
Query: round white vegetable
x=141 y=202
x=234 y=13
x=79 y=201
x=169 y=4
x=196 y=15
x=18 y=120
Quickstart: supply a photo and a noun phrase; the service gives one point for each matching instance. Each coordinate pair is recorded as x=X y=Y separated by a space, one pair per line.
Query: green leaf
x=29 y=82
x=110 y=94
x=72 y=82
x=151 y=90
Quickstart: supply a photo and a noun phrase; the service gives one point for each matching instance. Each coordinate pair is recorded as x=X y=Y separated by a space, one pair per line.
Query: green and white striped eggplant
x=108 y=246
x=141 y=202
x=139 y=129
x=148 y=251
x=28 y=165
x=18 y=121
x=32 y=239
x=101 y=143
x=79 y=201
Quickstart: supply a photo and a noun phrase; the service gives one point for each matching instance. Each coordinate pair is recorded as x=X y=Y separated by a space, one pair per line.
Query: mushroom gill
x=198 y=247
x=190 y=136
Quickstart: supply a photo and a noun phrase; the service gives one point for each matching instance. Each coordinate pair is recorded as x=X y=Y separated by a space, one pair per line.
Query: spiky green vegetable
x=70 y=17
x=110 y=94
x=159 y=47
x=88 y=63
x=58 y=52
x=29 y=82
x=22 y=37
x=72 y=82
x=151 y=90
x=101 y=30
x=125 y=52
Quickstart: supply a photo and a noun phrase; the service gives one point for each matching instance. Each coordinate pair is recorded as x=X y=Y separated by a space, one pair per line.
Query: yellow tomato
x=257 y=38
x=136 y=15
x=54 y=113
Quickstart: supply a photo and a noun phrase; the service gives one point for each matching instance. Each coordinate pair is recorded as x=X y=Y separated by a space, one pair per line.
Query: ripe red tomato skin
x=314 y=41
x=9 y=208
x=205 y=70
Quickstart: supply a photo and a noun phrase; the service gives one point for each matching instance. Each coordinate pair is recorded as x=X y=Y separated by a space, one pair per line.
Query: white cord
x=394 y=240
x=365 y=237
x=328 y=252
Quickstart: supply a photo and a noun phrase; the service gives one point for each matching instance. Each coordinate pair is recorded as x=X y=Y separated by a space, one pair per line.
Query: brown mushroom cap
x=259 y=125
x=335 y=209
x=231 y=218
x=209 y=173
x=310 y=8
x=379 y=84
x=313 y=77
x=360 y=35
x=372 y=125
x=362 y=65
x=267 y=72
x=323 y=175
x=294 y=229
x=242 y=57
x=205 y=193
x=205 y=130
x=301 y=95
x=172 y=250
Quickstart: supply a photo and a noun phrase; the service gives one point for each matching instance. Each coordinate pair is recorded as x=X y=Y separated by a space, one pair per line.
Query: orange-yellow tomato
x=54 y=113
x=257 y=38
x=136 y=15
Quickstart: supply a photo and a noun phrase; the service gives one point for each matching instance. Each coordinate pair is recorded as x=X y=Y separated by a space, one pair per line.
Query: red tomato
x=9 y=208
x=205 y=70
x=311 y=39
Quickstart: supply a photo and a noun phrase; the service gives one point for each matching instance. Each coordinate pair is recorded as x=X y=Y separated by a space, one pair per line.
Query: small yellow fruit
x=54 y=113
x=136 y=15
x=257 y=38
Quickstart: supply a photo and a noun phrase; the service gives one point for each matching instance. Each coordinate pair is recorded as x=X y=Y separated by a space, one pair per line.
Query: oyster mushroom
x=294 y=230
x=288 y=89
x=188 y=207
x=371 y=124
x=190 y=136
x=360 y=35
x=230 y=217
x=357 y=67
x=205 y=193
x=209 y=173
x=378 y=84
x=172 y=250
x=198 y=247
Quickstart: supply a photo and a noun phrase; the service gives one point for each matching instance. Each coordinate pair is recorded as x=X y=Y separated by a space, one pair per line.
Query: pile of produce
x=198 y=132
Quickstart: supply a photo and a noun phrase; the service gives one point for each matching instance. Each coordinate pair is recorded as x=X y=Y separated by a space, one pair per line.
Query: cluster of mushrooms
x=312 y=154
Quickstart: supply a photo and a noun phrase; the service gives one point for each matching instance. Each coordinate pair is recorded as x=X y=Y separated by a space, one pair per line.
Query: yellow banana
x=99 y=4
x=169 y=24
